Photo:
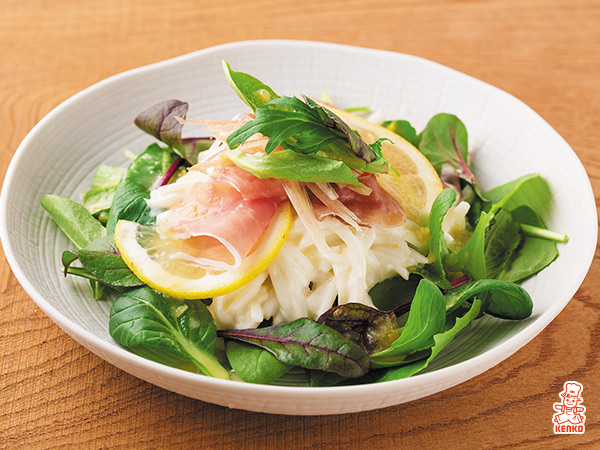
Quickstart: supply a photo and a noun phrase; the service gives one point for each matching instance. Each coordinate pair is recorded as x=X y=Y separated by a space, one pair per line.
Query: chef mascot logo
x=569 y=417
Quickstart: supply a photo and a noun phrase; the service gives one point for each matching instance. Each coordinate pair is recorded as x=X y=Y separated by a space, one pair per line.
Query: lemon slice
x=415 y=184
x=157 y=263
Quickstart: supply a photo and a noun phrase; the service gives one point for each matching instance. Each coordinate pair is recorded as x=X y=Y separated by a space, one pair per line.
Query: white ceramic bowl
x=509 y=139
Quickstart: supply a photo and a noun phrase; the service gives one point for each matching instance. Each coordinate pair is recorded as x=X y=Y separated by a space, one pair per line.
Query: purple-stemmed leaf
x=445 y=141
x=161 y=122
x=193 y=146
x=372 y=329
x=307 y=344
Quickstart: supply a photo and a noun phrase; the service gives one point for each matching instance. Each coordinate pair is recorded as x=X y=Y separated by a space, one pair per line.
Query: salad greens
x=142 y=175
x=165 y=330
x=413 y=320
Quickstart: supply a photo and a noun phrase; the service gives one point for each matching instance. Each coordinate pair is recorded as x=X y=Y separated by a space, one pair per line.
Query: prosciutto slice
x=221 y=216
x=376 y=208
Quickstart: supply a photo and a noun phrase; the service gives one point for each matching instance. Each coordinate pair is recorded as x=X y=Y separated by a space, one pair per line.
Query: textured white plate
x=61 y=153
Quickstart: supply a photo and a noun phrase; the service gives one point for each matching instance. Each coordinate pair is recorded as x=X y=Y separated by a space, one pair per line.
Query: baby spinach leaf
x=471 y=258
x=529 y=190
x=307 y=344
x=437 y=242
x=508 y=300
x=252 y=91
x=426 y=318
x=394 y=292
x=404 y=129
x=441 y=341
x=133 y=190
x=534 y=253
x=372 y=329
x=104 y=184
x=166 y=330
x=289 y=165
x=73 y=219
x=514 y=304
x=103 y=261
x=501 y=241
x=160 y=121
x=254 y=364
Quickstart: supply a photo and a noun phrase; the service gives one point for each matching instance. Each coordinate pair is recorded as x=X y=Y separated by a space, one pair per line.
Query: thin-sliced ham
x=376 y=208
x=331 y=205
x=221 y=216
x=249 y=186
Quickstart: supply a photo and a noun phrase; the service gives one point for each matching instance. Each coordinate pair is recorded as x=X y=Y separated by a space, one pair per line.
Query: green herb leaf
x=166 y=330
x=471 y=258
x=508 y=300
x=529 y=190
x=307 y=344
x=252 y=91
x=133 y=190
x=426 y=318
x=534 y=253
x=437 y=242
x=501 y=241
x=103 y=261
x=73 y=219
x=393 y=292
x=308 y=128
x=441 y=341
x=403 y=129
x=254 y=364
x=289 y=165
x=104 y=184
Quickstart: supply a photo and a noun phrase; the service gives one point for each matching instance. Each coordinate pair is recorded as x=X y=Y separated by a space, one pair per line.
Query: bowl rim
x=482 y=362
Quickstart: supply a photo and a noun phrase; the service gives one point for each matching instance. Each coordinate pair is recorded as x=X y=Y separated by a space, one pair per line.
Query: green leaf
x=529 y=190
x=289 y=165
x=133 y=190
x=508 y=300
x=284 y=119
x=437 y=242
x=308 y=344
x=307 y=128
x=252 y=91
x=501 y=241
x=393 y=292
x=441 y=341
x=102 y=191
x=445 y=141
x=166 y=330
x=471 y=258
x=254 y=364
x=534 y=253
x=404 y=129
x=102 y=260
x=73 y=219
x=426 y=318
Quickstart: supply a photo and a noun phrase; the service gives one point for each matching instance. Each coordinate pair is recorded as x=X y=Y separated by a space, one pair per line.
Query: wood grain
x=56 y=394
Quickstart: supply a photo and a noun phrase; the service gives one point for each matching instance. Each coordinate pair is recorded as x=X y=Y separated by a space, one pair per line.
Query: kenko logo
x=569 y=417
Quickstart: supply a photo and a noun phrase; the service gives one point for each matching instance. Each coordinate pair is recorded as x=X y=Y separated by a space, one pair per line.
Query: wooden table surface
x=56 y=394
